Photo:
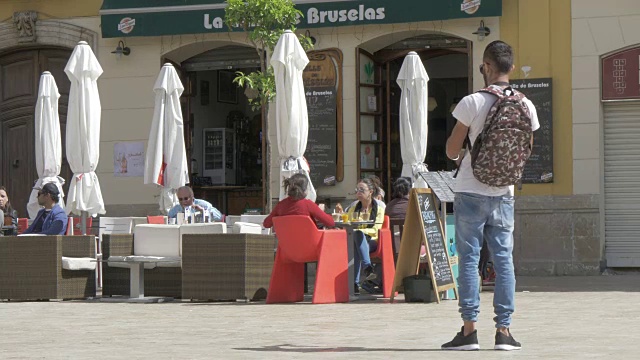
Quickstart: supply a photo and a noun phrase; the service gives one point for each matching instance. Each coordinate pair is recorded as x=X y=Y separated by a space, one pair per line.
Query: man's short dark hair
x=501 y=54
x=52 y=190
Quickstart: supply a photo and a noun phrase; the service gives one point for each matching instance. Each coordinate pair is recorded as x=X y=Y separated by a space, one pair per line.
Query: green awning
x=122 y=18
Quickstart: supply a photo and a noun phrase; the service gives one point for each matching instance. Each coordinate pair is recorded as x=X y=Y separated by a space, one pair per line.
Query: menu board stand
x=422 y=226
x=441 y=183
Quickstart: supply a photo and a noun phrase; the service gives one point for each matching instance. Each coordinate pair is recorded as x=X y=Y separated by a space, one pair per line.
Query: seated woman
x=378 y=193
x=297 y=204
x=397 y=207
x=366 y=238
x=10 y=217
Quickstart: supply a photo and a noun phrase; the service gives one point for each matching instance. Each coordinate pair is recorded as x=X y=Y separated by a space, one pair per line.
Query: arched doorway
x=223 y=132
x=448 y=60
x=19 y=79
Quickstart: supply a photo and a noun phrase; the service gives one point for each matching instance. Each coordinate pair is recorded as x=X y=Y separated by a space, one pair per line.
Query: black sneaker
x=356 y=289
x=507 y=343
x=464 y=343
x=368 y=287
x=369 y=273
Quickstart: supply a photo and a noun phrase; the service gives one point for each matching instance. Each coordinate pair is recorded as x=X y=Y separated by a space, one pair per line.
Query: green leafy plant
x=264 y=21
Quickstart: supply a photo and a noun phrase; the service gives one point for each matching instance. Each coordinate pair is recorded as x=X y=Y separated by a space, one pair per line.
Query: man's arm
x=33 y=224
x=215 y=214
x=58 y=225
x=456 y=140
x=173 y=213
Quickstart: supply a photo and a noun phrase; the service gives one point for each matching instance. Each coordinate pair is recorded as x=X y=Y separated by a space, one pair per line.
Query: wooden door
x=19 y=78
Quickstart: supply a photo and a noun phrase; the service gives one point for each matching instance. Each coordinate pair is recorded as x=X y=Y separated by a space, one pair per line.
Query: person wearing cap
x=51 y=219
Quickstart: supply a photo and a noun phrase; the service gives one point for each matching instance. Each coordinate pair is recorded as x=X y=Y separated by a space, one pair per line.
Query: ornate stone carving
x=25 y=22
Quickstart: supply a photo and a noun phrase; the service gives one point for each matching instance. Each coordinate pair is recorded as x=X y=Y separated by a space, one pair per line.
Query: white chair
x=137 y=220
x=111 y=225
x=256 y=219
x=240 y=227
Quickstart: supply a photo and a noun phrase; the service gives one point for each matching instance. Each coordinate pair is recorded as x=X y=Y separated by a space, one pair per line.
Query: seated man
x=51 y=220
x=185 y=196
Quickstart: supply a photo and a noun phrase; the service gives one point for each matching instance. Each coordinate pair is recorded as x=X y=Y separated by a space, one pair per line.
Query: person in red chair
x=366 y=238
x=51 y=219
x=296 y=203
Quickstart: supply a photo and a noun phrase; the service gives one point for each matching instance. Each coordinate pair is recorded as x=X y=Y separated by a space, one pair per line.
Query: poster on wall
x=128 y=159
x=323 y=91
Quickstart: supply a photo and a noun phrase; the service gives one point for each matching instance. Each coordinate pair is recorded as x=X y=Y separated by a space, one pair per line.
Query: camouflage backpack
x=501 y=150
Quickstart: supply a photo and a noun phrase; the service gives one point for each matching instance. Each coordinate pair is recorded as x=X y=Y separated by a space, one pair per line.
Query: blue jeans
x=485 y=218
x=364 y=245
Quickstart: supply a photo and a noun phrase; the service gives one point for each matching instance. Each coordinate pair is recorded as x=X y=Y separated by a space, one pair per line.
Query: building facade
x=559 y=226
x=606 y=111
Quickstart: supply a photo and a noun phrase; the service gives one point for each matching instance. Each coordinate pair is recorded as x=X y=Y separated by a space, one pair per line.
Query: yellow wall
x=540 y=33
x=48 y=9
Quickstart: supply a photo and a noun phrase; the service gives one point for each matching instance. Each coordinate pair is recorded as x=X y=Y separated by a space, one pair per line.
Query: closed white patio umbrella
x=166 y=159
x=292 y=120
x=413 y=80
x=47 y=141
x=83 y=133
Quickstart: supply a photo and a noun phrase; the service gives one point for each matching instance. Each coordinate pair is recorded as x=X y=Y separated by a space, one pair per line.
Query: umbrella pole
x=83 y=223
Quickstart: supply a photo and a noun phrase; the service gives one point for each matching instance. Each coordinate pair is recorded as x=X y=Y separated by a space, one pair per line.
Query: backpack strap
x=494 y=90
x=465 y=145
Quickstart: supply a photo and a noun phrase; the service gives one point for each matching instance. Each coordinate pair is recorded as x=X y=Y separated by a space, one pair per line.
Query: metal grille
x=622 y=183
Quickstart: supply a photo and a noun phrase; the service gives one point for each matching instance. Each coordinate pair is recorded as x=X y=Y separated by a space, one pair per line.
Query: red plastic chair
x=77 y=226
x=299 y=242
x=155 y=219
x=385 y=253
x=23 y=224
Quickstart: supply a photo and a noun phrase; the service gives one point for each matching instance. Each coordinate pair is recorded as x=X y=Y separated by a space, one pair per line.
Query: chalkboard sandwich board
x=423 y=226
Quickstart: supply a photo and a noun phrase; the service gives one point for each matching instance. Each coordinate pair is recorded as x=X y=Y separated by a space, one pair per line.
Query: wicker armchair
x=31 y=268
x=160 y=281
x=226 y=266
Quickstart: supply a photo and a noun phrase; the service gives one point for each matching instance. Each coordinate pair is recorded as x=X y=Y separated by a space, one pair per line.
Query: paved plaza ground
x=556 y=317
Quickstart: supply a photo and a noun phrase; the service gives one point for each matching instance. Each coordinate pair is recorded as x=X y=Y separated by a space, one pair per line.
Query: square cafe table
x=136 y=281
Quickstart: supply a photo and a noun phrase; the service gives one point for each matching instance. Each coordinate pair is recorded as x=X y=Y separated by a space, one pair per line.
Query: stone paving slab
x=568 y=317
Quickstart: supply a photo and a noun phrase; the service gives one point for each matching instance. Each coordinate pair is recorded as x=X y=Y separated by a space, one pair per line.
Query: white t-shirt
x=472 y=112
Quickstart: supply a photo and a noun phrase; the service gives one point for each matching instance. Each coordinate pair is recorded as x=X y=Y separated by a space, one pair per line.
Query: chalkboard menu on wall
x=539 y=168
x=438 y=256
x=323 y=90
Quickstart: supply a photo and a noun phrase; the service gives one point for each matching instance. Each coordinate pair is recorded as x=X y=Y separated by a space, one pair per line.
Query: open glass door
x=371 y=126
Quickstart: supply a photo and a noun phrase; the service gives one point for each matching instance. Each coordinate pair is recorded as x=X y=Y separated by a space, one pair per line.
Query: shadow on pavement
x=313 y=349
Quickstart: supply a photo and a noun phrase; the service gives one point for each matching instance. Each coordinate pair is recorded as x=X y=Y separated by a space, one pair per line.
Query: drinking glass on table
x=345 y=217
x=364 y=216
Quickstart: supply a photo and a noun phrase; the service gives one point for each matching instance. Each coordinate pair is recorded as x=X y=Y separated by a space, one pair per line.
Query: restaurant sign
x=621 y=75
x=122 y=18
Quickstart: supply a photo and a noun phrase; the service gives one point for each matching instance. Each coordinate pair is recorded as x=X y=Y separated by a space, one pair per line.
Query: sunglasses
x=361 y=190
x=184 y=198
x=41 y=193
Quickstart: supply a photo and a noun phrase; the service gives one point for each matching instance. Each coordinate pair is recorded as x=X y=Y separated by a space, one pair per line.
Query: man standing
x=483 y=212
x=186 y=198
x=50 y=220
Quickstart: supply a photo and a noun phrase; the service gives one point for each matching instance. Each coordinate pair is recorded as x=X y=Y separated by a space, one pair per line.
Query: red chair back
x=298 y=237
x=77 y=225
x=156 y=219
x=23 y=224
